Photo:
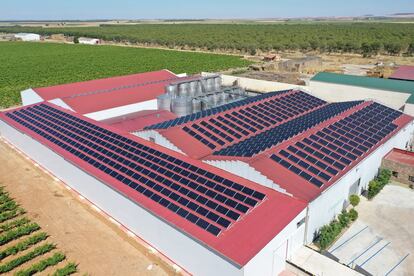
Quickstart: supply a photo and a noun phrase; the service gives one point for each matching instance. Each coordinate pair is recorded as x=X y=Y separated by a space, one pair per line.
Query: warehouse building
x=106 y=98
x=207 y=220
x=339 y=87
x=294 y=143
x=234 y=189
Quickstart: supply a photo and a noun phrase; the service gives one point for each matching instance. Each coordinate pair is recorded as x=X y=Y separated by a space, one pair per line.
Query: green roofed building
x=339 y=87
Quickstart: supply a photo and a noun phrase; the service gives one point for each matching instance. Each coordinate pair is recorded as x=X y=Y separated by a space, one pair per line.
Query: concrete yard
x=85 y=236
x=317 y=264
x=381 y=241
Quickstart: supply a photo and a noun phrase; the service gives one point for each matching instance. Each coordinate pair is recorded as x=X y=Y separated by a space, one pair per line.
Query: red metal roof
x=239 y=243
x=401 y=156
x=138 y=120
x=299 y=186
x=347 y=154
x=237 y=124
x=96 y=95
x=404 y=72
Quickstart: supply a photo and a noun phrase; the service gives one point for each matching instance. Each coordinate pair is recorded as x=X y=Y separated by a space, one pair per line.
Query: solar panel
x=322 y=155
x=247 y=120
x=213 y=111
x=280 y=133
x=191 y=192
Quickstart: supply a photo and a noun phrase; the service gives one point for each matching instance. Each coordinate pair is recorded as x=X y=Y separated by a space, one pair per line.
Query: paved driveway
x=381 y=241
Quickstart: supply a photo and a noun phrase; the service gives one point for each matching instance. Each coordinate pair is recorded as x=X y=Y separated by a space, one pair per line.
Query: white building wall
x=409 y=109
x=155 y=137
x=258 y=85
x=331 y=202
x=29 y=96
x=244 y=170
x=337 y=93
x=179 y=247
x=277 y=251
x=122 y=110
x=89 y=41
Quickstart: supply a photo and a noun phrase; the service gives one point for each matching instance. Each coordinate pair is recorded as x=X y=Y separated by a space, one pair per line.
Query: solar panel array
x=212 y=111
x=321 y=156
x=234 y=125
x=280 y=133
x=202 y=197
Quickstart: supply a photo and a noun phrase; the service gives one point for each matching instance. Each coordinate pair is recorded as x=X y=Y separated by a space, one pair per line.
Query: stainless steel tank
x=199 y=87
x=171 y=90
x=224 y=97
x=183 y=89
x=164 y=102
x=196 y=105
x=181 y=106
x=206 y=102
x=210 y=84
x=217 y=83
x=193 y=89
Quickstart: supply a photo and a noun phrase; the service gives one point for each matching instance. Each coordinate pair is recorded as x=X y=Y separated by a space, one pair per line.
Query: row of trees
x=364 y=38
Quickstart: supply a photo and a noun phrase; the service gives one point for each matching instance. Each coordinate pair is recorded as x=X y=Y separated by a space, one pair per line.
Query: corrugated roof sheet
x=101 y=94
x=367 y=82
x=404 y=72
x=401 y=156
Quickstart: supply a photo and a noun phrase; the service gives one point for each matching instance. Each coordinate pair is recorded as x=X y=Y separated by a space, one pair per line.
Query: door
x=279 y=259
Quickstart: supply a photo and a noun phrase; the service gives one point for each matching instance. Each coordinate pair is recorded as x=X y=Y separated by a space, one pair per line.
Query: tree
x=76 y=40
x=410 y=50
x=354 y=200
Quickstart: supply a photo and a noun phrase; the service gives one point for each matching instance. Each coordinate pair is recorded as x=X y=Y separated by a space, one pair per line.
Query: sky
x=192 y=9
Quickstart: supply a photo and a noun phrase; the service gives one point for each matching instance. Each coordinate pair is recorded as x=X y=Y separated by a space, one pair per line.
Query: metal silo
x=171 y=90
x=193 y=88
x=164 y=102
x=181 y=106
x=199 y=87
x=196 y=105
x=217 y=83
x=224 y=97
x=206 y=102
x=183 y=89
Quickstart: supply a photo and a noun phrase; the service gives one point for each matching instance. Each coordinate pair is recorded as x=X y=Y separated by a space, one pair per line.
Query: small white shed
x=89 y=41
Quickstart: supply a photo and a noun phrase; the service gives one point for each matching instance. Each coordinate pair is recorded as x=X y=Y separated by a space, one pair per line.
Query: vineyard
x=25 y=249
x=24 y=65
x=364 y=38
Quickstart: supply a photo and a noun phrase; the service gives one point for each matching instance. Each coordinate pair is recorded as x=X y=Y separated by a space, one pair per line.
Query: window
x=302 y=221
x=411 y=178
x=394 y=173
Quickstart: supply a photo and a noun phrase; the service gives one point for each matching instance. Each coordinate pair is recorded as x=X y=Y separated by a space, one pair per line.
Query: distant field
x=366 y=38
x=24 y=65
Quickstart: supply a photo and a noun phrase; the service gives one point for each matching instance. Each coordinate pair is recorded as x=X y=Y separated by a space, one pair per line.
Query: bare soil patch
x=82 y=234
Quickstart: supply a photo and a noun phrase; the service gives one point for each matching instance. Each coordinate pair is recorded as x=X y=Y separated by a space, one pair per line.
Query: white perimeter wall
x=330 y=203
x=179 y=247
x=337 y=93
